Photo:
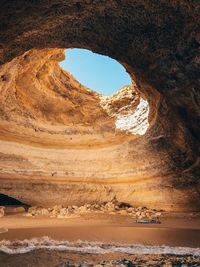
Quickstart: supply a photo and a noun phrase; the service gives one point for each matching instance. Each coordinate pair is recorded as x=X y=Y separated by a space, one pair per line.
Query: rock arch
x=158 y=43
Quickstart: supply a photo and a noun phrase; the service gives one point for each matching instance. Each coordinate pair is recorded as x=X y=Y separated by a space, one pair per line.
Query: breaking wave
x=46 y=243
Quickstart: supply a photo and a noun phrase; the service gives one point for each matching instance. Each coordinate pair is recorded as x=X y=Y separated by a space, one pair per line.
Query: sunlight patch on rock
x=129 y=110
x=135 y=122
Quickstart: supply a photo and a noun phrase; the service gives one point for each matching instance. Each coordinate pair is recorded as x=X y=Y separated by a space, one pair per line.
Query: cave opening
x=98 y=72
x=118 y=93
x=6 y=200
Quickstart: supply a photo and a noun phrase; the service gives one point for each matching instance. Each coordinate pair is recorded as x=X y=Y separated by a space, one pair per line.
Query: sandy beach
x=173 y=231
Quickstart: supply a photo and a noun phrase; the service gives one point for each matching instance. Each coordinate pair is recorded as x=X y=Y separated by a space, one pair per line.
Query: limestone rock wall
x=129 y=110
x=158 y=43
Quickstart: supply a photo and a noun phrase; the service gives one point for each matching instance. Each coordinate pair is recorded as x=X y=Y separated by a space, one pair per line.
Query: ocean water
x=46 y=252
x=28 y=245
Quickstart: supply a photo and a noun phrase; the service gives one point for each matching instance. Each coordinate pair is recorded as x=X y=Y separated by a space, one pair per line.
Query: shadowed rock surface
x=59 y=146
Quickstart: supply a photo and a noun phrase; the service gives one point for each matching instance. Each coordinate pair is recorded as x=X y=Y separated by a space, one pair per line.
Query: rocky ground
x=132 y=261
x=59 y=211
x=112 y=207
x=146 y=260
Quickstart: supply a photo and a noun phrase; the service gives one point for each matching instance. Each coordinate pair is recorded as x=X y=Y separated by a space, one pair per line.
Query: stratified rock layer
x=45 y=158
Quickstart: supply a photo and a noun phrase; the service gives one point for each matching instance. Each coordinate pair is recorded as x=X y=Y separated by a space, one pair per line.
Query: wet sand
x=104 y=228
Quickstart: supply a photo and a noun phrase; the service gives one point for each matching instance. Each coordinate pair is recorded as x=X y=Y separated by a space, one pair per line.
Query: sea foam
x=46 y=243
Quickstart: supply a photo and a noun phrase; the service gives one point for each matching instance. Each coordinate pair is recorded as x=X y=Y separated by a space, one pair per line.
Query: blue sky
x=100 y=73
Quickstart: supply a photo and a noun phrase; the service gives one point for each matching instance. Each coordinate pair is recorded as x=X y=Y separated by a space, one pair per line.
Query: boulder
x=2 y=211
x=17 y=210
x=123 y=212
x=110 y=206
x=82 y=209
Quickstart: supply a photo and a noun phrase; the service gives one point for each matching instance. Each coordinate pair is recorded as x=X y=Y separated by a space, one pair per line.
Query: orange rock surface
x=59 y=144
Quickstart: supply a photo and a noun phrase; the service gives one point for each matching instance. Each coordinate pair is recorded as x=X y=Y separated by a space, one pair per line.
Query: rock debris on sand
x=147 y=260
x=112 y=207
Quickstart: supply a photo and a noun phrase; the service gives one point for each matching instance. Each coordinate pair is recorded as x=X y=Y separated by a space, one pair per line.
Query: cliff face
x=59 y=140
x=35 y=90
x=43 y=104
x=129 y=110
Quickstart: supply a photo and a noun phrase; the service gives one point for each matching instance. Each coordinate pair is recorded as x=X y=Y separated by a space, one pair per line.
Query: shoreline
x=104 y=228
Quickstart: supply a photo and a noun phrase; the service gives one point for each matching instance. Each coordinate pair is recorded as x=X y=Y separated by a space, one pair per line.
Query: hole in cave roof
x=97 y=72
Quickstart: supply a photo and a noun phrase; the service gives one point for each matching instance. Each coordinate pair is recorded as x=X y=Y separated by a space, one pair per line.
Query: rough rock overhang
x=159 y=43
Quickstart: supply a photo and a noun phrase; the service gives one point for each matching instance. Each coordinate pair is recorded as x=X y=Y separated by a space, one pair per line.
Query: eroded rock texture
x=129 y=110
x=44 y=160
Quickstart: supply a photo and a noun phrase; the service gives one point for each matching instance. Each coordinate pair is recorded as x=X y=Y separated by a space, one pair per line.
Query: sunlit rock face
x=60 y=146
x=135 y=122
x=37 y=96
x=129 y=110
